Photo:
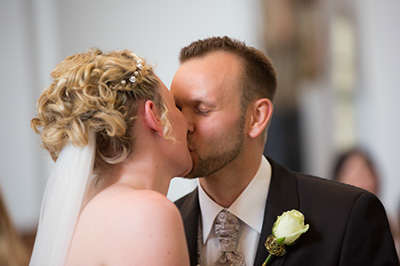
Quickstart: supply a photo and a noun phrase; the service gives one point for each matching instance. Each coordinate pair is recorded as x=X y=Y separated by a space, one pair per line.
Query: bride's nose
x=190 y=127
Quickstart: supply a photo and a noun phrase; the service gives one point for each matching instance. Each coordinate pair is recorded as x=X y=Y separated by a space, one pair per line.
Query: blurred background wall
x=337 y=63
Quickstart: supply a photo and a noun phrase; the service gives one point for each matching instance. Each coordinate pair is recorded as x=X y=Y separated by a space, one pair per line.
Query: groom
x=225 y=90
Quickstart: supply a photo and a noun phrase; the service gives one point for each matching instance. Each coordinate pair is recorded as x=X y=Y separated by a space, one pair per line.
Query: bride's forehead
x=164 y=92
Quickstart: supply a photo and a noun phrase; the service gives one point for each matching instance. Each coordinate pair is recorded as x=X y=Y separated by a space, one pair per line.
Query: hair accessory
x=139 y=64
x=132 y=79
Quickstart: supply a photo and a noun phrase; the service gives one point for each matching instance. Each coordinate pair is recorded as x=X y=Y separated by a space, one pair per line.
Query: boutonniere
x=286 y=230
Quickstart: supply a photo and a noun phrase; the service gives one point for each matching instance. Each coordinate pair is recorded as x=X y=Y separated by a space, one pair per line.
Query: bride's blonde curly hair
x=93 y=91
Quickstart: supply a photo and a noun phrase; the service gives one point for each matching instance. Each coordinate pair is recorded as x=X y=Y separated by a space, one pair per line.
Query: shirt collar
x=254 y=195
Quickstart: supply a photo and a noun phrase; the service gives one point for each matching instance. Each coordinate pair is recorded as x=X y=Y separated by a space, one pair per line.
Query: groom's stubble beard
x=208 y=164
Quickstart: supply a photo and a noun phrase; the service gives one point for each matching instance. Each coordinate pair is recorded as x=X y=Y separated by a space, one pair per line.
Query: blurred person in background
x=356 y=167
x=13 y=252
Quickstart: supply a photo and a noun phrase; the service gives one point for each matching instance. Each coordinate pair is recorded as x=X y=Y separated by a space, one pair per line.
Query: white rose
x=289 y=225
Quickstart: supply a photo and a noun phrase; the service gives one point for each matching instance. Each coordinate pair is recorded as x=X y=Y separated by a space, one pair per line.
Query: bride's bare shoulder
x=129 y=225
x=128 y=207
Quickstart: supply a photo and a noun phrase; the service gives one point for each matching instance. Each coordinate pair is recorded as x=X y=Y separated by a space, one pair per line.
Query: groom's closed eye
x=203 y=111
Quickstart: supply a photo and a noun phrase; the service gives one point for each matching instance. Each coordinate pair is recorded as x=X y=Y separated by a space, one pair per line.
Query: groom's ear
x=152 y=117
x=261 y=113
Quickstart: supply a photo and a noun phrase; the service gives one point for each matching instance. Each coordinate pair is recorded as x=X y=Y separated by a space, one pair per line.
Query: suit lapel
x=282 y=196
x=190 y=211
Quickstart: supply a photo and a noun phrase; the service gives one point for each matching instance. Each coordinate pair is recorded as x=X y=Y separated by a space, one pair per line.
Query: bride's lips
x=192 y=151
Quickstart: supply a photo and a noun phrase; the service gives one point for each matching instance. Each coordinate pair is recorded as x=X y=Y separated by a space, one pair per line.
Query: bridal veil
x=62 y=202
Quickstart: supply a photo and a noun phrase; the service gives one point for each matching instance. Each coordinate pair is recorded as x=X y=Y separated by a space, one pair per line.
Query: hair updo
x=95 y=91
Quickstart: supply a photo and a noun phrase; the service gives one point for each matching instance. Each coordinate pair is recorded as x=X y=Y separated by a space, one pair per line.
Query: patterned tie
x=227 y=230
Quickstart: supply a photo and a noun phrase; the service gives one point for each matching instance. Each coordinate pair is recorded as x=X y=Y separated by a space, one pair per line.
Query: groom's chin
x=189 y=176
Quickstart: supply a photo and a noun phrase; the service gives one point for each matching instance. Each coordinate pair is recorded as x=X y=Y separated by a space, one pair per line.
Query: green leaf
x=281 y=240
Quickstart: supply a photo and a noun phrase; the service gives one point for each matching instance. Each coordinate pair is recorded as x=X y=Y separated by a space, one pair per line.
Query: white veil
x=61 y=204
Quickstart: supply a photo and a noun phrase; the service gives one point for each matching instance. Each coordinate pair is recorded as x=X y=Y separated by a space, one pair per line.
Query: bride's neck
x=146 y=173
x=141 y=174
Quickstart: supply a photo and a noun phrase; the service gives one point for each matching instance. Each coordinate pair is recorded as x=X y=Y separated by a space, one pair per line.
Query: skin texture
x=139 y=238
x=127 y=219
x=226 y=143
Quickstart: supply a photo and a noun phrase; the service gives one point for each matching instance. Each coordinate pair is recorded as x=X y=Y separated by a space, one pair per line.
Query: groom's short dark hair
x=259 y=77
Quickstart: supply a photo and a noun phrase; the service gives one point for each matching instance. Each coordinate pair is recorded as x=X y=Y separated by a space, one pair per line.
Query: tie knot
x=227 y=229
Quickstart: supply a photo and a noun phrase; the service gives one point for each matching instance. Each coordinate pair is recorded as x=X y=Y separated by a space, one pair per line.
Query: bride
x=118 y=139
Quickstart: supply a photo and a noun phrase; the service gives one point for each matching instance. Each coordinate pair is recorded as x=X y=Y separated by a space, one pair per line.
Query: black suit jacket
x=348 y=226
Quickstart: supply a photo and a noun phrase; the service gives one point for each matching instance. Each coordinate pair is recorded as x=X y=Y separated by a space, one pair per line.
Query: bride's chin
x=187 y=170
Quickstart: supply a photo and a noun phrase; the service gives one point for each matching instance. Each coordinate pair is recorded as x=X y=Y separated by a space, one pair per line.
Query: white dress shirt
x=249 y=207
